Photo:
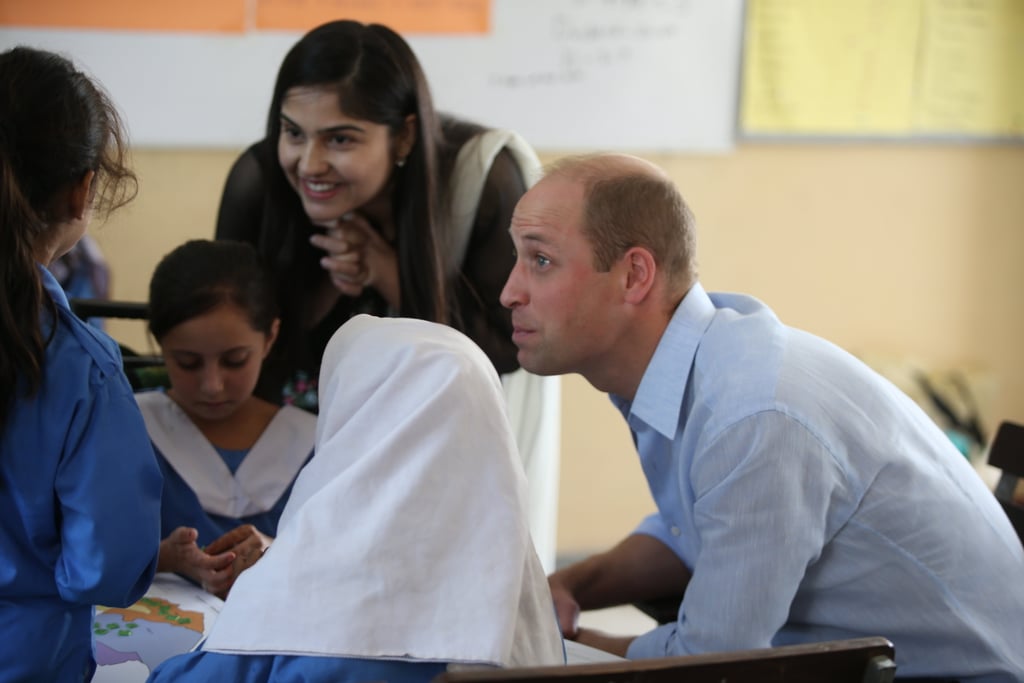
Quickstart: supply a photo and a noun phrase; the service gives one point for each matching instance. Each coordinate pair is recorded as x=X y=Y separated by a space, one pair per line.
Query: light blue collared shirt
x=813 y=500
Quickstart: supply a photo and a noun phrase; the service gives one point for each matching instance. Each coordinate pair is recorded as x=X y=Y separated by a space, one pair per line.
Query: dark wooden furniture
x=136 y=365
x=1007 y=453
x=858 y=660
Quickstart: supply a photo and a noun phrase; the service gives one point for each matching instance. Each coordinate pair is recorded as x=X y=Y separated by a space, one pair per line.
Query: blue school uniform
x=181 y=507
x=215 y=666
x=215 y=491
x=79 y=503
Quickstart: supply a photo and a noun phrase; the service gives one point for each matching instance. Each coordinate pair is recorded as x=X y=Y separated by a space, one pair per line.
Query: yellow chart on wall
x=972 y=68
x=899 y=68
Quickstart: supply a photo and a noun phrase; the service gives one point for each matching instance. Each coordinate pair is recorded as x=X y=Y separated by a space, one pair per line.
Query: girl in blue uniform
x=404 y=547
x=79 y=486
x=228 y=457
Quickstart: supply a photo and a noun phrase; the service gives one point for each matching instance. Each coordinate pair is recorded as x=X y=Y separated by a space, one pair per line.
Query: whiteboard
x=569 y=75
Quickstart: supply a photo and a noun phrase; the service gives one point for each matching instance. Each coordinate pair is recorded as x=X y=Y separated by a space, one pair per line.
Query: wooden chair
x=1007 y=453
x=857 y=660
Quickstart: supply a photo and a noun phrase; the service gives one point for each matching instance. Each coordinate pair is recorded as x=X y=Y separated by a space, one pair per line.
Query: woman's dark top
x=259 y=207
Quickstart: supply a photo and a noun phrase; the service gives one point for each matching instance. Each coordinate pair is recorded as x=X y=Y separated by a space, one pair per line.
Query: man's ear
x=80 y=196
x=640 y=269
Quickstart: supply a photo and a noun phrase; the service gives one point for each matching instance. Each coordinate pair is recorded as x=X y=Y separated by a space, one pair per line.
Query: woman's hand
x=180 y=554
x=358 y=257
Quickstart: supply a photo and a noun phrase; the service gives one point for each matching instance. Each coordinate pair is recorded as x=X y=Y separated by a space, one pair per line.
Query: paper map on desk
x=172 y=618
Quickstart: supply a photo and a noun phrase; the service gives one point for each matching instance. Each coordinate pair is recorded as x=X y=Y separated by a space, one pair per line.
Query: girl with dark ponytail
x=79 y=485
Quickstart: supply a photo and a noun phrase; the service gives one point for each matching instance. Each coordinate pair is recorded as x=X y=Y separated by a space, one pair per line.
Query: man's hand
x=566 y=607
x=639 y=568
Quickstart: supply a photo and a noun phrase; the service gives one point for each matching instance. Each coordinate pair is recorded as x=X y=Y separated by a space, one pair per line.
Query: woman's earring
x=400 y=162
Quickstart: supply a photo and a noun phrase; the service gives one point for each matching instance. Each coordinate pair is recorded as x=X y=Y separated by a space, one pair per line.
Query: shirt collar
x=659 y=398
x=53 y=287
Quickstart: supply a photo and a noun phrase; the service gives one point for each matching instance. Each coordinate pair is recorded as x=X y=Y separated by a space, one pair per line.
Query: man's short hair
x=631 y=207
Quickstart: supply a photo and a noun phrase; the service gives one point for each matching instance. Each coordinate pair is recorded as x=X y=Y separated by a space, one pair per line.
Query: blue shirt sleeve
x=654 y=525
x=762 y=497
x=108 y=489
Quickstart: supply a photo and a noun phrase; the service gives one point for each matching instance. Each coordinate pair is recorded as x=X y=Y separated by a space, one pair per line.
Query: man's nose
x=512 y=293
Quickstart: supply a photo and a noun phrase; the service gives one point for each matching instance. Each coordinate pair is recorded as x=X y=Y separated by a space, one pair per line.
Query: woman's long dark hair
x=377 y=78
x=56 y=126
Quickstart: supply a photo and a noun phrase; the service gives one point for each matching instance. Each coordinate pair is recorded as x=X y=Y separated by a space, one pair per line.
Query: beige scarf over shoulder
x=472 y=166
x=534 y=403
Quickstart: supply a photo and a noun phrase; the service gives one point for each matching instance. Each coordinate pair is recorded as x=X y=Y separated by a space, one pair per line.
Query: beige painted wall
x=900 y=250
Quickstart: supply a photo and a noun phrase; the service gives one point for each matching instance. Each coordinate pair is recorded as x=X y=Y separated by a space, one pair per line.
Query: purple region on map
x=149 y=642
x=105 y=656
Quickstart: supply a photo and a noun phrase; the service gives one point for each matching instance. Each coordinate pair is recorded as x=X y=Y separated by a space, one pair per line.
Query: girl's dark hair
x=200 y=275
x=377 y=78
x=56 y=125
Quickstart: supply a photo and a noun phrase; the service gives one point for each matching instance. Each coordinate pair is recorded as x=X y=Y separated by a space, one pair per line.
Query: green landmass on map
x=149 y=609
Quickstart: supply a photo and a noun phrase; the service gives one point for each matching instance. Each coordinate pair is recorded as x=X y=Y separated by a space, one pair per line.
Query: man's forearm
x=639 y=568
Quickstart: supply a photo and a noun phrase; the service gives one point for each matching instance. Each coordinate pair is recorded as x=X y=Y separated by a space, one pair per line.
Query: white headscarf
x=406 y=536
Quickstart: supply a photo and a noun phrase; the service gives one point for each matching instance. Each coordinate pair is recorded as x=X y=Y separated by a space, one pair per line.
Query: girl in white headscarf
x=404 y=547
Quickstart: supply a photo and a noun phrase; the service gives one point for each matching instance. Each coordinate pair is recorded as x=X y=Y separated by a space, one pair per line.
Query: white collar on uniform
x=406 y=536
x=266 y=472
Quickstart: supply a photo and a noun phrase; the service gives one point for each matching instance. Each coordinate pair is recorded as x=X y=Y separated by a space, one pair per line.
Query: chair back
x=857 y=660
x=143 y=371
x=1007 y=453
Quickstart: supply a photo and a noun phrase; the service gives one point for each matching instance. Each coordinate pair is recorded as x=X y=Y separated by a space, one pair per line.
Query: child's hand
x=179 y=553
x=246 y=543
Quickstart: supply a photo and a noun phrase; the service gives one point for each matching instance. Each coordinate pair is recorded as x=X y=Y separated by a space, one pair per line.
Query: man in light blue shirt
x=801 y=497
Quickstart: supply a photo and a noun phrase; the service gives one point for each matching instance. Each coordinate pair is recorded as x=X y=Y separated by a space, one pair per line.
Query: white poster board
x=641 y=75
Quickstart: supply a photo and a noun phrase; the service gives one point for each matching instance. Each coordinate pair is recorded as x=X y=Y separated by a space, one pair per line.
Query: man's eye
x=543 y=260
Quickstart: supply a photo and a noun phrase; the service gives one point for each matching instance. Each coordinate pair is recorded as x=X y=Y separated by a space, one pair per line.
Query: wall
x=589 y=65
x=900 y=250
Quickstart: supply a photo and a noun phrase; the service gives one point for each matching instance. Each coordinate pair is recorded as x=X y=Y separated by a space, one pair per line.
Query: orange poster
x=404 y=16
x=179 y=15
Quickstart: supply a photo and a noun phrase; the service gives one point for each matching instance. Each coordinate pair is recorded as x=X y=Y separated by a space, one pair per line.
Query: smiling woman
x=335 y=163
x=228 y=457
x=340 y=167
x=363 y=199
